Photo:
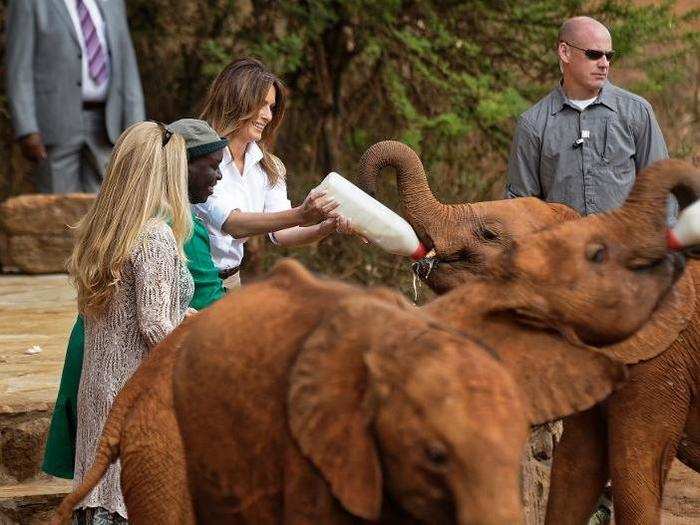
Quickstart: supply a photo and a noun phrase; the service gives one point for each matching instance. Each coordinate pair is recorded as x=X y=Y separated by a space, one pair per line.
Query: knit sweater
x=153 y=294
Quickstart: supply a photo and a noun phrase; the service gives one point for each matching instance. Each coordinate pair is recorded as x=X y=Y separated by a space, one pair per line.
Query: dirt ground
x=682 y=499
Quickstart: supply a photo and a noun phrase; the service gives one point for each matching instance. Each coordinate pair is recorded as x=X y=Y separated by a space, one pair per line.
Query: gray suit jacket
x=44 y=70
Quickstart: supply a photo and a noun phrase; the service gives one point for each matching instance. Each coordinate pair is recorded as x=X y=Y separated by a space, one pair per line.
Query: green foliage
x=446 y=76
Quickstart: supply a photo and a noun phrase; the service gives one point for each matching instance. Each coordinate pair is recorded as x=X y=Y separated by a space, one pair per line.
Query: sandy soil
x=34 y=311
x=682 y=499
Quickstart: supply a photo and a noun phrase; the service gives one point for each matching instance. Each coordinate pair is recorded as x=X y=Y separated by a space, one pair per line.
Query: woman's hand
x=316 y=207
x=190 y=312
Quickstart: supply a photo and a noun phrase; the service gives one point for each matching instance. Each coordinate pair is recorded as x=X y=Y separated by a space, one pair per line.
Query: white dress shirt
x=91 y=91
x=250 y=192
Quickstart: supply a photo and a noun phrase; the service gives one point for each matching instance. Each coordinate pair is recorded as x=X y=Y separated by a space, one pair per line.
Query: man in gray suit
x=73 y=86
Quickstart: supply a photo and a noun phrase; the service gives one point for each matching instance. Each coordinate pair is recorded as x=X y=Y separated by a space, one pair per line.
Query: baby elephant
x=310 y=401
x=350 y=404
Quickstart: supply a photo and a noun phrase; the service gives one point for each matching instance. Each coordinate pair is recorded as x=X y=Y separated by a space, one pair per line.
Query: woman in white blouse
x=245 y=104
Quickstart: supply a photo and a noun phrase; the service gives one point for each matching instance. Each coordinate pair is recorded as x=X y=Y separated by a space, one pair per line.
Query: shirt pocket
x=618 y=143
x=613 y=165
x=549 y=163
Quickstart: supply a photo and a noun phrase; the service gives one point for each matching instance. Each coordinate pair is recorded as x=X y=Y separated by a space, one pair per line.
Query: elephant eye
x=436 y=453
x=596 y=253
x=641 y=264
x=487 y=234
x=463 y=256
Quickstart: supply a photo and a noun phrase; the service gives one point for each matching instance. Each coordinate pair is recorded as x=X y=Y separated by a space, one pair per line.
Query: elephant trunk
x=419 y=205
x=495 y=505
x=644 y=213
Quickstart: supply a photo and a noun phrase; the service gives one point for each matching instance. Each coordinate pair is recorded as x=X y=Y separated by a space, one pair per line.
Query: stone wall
x=35 y=233
x=27 y=496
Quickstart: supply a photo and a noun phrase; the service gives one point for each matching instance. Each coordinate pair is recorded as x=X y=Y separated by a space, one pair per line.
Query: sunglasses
x=593 y=54
x=166 y=132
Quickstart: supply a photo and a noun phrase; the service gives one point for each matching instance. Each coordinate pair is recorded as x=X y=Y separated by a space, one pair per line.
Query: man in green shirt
x=204 y=154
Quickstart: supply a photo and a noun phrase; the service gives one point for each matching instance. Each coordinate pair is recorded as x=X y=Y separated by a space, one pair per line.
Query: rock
x=29 y=511
x=35 y=253
x=536 y=469
x=39 y=214
x=22 y=441
x=32 y=503
x=34 y=231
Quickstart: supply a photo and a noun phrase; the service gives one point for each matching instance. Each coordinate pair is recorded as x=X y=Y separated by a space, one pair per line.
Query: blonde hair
x=234 y=99
x=145 y=179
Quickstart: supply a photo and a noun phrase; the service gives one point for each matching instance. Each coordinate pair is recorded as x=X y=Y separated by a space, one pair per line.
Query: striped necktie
x=97 y=65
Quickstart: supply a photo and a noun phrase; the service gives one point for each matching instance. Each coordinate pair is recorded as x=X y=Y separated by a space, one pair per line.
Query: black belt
x=228 y=272
x=93 y=104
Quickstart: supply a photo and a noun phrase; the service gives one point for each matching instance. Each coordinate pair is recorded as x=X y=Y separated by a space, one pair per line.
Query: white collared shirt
x=250 y=192
x=91 y=91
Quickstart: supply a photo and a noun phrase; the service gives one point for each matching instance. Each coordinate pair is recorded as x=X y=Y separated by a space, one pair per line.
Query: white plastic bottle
x=371 y=219
x=686 y=232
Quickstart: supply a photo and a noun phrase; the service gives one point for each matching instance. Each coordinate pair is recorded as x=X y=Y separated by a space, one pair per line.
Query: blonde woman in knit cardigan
x=133 y=285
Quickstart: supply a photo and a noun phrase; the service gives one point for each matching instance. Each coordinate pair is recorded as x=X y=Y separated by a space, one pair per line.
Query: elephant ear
x=558 y=378
x=328 y=414
x=662 y=329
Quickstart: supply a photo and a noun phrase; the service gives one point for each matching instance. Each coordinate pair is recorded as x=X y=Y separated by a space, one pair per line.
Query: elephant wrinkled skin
x=601 y=287
x=656 y=410
x=342 y=409
x=455 y=402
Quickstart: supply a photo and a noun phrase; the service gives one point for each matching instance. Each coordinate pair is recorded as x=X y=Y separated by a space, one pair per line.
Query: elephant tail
x=107 y=453
x=108 y=448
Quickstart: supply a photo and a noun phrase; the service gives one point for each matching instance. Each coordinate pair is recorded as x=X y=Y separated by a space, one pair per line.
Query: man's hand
x=344 y=225
x=328 y=226
x=33 y=147
x=316 y=207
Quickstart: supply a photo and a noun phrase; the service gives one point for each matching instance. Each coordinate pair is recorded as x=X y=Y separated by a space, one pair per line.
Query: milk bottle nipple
x=686 y=232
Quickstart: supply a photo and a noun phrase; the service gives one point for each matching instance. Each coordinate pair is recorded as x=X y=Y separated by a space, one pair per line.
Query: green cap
x=200 y=137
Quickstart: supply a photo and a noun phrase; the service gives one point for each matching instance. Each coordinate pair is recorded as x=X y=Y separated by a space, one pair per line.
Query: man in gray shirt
x=584 y=142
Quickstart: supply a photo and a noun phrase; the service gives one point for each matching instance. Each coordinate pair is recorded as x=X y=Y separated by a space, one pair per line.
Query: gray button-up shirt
x=621 y=137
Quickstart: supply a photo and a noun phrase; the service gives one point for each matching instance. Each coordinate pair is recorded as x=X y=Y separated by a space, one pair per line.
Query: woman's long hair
x=234 y=99
x=145 y=179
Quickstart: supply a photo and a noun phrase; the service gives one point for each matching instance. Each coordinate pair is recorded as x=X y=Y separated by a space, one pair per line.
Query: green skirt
x=59 y=455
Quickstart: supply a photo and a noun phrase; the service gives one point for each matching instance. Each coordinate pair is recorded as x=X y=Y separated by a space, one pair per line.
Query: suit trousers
x=79 y=163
